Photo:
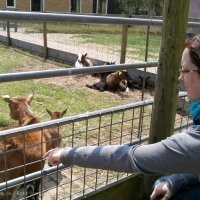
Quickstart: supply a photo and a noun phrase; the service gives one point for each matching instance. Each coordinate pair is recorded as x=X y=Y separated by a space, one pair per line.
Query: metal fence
x=118 y=125
x=74 y=34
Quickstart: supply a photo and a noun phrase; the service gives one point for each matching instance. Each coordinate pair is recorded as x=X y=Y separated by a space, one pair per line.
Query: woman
x=172 y=155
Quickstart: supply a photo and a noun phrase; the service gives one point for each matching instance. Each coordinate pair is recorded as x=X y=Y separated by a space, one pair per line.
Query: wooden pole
x=124 y=41
x=45 y=40
x=8 y=33
x=175 y=19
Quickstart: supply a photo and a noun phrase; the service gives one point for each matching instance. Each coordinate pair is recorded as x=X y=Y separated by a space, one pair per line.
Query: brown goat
x=55 y=133
x=117 y=81
x=23 y=154
x=112 y=82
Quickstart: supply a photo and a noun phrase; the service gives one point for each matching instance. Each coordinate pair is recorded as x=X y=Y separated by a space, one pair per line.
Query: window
x=102 y=6
x=36 y=5
x=10 y=3
x=75 y=6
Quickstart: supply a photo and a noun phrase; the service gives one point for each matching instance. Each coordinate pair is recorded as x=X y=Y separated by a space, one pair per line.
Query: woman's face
x=190 y=79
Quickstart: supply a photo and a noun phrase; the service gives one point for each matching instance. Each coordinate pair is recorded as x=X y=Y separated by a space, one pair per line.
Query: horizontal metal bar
x=76 y=18
x=72 y=71
x=80 y=18
x=66 y=120
x=71 y=119
x=30 y=177
x=50 y=170
x=42 y=173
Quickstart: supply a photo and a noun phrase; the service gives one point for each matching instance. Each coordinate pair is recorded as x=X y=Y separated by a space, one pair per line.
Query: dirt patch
x=80 y=81
x=75 y=82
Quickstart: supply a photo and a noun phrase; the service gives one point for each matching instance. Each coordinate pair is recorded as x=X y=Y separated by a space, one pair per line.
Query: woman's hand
x=53 y=156
x=161 y=192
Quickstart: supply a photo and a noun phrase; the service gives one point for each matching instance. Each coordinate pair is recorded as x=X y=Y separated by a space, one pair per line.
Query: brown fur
x=24 y=149
x=55 y=133
x=84 y=60
x=117 y=80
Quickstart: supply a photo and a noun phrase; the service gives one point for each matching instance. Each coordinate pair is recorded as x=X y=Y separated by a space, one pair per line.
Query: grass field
x=105 y=35
x=55 y=97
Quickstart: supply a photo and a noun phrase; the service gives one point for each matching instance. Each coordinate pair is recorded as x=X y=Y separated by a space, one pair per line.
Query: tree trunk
x=173 y=37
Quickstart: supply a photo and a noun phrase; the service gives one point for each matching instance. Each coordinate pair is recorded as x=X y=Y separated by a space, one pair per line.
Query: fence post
x=15 y=26
x=175 y=18
x=45 y=40
x=8 y=33
x=124 y=43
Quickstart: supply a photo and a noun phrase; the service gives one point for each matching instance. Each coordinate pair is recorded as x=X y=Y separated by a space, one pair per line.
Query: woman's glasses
x=186 y=71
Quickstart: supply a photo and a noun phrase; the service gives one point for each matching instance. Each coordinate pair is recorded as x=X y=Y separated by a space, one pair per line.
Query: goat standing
x=55 y=133
x=23 y=154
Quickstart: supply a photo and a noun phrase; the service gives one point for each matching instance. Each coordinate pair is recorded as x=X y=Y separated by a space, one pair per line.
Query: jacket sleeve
x=172 y=155
x=178 y=182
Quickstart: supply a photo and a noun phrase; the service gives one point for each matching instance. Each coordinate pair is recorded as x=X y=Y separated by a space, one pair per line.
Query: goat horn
x=30 y=98
x=50 y=113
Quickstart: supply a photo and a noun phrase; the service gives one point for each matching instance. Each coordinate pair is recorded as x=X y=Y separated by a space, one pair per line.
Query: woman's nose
x=180 y=78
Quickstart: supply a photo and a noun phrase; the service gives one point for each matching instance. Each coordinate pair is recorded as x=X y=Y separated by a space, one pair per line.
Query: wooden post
x=45 y=40
x=124 y=43
x=166 y=92
x=8 y=33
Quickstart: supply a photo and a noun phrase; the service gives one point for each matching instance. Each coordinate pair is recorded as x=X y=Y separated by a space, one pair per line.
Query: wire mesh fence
x=101 y=42
x=127 y=124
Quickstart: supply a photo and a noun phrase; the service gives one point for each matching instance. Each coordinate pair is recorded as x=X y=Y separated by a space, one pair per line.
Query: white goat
x=82 y=61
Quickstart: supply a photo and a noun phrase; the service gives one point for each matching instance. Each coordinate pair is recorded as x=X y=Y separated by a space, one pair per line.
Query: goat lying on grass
x=118 y=81
x=83 y=61
x=113 y=82
x=55 y=133
x=23 y=154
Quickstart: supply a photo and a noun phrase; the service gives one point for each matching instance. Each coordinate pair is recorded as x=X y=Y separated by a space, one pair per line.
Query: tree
x=133 y=6
x=157 y=7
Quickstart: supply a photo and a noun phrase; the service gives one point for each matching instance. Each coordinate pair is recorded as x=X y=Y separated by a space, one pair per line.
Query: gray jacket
x=179 y=153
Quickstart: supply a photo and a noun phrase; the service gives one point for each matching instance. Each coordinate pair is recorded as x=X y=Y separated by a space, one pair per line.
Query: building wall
x=2 y=4
x=194 y=13
x=194 y=9
x=23 y=5
x=57 y=6
x=51 y=5
x=87 y=6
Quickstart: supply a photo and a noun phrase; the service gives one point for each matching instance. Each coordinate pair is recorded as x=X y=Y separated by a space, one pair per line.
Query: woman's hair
x=193 y=44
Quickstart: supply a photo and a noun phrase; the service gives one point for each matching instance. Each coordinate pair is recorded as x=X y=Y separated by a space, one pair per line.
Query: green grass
x=75 y=28
x=107 y=35
x=56 y=98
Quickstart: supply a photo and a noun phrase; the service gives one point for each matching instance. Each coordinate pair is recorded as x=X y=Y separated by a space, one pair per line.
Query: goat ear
x=50 y=113
x=64 y=112
x=85 y=54
x=6 y=98
x=29 y=98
